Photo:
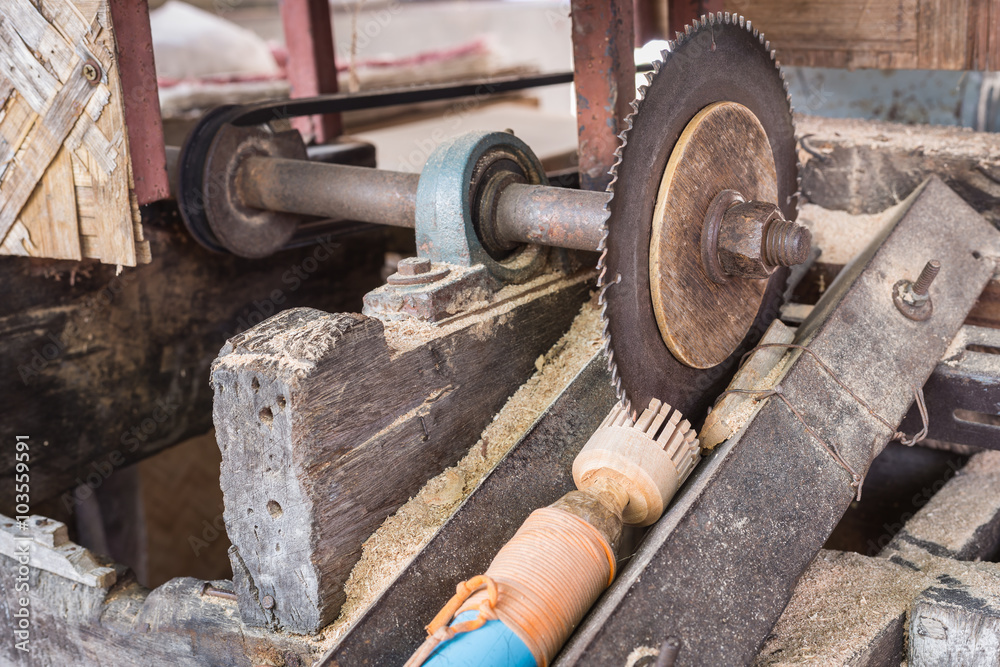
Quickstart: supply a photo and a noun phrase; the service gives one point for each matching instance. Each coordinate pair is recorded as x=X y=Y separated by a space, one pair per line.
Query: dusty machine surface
x=632 y=416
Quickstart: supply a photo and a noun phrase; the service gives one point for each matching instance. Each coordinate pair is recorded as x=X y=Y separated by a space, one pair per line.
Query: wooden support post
x=312 y=69
x=603 y=40
x=328 y=423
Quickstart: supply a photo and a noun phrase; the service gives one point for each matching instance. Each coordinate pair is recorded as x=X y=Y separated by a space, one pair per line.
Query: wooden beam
x=339 y=419
x=867 y=166
x=907 y=34
x=91 y=359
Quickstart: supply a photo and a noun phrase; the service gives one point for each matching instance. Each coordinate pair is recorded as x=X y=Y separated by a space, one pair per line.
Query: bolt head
x=741 y=239
x=91 y=72
x=267 y=602
x=414 y=266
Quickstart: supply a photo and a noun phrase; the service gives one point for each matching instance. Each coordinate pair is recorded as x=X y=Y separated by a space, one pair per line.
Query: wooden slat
x=50 y=214
x=14 y=127
x=40 y=147
x=50 y=108
x=111 y=191
x=942 y=39
x=932 y=34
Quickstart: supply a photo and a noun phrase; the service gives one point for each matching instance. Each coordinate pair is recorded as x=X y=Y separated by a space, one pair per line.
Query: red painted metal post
x=311 y=66
x=604 y=66
x=682 y=12
x=134 y=43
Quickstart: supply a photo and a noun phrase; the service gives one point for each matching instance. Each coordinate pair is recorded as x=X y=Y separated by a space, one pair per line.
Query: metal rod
x=552 y=216
x=329 y=190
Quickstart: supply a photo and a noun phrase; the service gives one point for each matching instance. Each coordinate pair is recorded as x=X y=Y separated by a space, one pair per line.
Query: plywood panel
x=62 y=133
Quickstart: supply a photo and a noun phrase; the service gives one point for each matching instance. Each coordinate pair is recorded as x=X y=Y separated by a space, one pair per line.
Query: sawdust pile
x=841 y=598
x=843 y=235
x=403 y=534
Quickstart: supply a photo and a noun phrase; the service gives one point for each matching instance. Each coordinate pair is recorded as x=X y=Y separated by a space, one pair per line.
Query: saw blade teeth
x=604 y=279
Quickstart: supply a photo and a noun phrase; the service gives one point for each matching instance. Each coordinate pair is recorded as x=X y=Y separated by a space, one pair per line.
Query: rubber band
x=439 y=631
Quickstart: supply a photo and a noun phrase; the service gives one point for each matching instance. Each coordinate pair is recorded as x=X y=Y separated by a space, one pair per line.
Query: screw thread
x=786 y=243
x=926 y=277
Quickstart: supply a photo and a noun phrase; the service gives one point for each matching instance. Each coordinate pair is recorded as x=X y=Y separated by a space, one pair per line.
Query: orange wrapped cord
x=548 y=575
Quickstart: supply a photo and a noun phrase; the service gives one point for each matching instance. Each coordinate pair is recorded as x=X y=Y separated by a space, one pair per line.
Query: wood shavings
x=840 y=234
x=406 y=532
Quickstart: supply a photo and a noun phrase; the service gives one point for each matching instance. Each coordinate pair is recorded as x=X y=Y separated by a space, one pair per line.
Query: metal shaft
x=552 y=216
x=538 y=214
x=329 y=190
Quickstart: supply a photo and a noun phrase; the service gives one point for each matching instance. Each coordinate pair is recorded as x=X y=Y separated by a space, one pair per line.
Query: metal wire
x=830 y=447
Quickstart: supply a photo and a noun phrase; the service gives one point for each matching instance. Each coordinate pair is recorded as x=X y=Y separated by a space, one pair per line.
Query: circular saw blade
x=720 y=58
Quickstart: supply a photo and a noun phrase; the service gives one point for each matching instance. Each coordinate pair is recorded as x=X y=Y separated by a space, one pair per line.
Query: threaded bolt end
x=926 y=277
x=787 y=243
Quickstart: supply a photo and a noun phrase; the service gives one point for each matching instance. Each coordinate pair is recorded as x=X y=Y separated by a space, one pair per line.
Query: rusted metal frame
x=140 y=99
x=312 y=69
x=682 y=12
x=720 y=566
x=535 y=473
x=963 y=393
x=604 y=74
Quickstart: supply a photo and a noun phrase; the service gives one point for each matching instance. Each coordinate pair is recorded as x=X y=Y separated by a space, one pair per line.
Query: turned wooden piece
x=648 y=460
x=724 y=147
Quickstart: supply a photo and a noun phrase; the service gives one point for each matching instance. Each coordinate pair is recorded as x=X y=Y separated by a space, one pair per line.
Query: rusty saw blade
x=720 y=58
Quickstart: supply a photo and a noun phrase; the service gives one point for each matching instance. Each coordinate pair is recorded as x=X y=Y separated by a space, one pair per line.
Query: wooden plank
x=868 y=166
x=734 y=410
x=46 y=46
x=324 y=477
x=181 y=624
x=40 y=147
x=50 y=214
x=47 y=546
x=843 y=33
x=906 y=34
x=942 y=39
x=15 y=124
x=950 y=626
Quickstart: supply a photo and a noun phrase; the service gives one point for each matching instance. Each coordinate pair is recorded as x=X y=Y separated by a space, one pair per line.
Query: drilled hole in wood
x=274 y=508
x=255 y=384
x=249 y=511
x=266 y=416
x=973 y=417
x=976 y=254
x=281 y=402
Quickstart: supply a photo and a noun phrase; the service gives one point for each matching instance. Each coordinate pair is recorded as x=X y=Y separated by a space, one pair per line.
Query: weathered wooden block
x=950 y=625
x=329 y=422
